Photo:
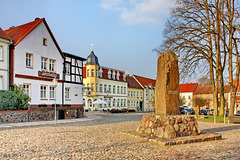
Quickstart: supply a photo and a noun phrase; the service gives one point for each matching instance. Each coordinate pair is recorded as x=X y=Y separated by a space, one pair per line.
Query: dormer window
x=113 y=75
x=124 y=77
x=100 y=72
x=45 y=41
x=118 y=74
x=109 y=74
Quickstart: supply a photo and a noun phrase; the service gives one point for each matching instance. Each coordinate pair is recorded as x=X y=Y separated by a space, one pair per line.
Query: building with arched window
x=103 y=83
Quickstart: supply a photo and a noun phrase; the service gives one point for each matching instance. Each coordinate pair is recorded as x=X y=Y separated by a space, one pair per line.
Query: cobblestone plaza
x=103 y=139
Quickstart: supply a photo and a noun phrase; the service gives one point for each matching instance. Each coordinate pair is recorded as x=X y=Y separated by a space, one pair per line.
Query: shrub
x=22 y=97
x=8 y=100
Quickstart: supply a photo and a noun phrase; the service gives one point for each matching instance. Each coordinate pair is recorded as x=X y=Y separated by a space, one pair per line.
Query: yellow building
x=103 y=83
x=135 y=95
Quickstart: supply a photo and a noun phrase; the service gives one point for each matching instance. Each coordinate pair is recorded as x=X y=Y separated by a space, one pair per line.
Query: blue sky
x=124 y=32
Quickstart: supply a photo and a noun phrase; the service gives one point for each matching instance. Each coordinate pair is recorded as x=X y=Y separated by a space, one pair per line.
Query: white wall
x=33 y=44
x=188 y=98
x=4 y=67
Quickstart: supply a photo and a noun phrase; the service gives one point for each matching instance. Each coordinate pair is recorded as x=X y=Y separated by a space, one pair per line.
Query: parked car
x=124 y=110
x=211 y=111
x=238 y=113
x=227 y=112
x=189 y=111
x=181 y=110
x=203 y=111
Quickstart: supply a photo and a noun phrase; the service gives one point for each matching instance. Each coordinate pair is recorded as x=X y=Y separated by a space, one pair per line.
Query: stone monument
x=167 y=123
x=167 y=85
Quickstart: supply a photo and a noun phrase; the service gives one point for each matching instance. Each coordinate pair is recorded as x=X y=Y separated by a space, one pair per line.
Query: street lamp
x=55 y=81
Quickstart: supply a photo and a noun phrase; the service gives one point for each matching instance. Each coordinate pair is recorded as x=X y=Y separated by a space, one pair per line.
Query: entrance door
x=141 y=106
x=61 y=114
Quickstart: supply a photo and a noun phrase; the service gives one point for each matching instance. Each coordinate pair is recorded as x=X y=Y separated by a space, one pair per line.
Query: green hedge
x=8 y=100
x=15 y=99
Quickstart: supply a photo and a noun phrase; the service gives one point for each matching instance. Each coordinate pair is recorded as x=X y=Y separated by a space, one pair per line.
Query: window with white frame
x=105 y=88
x=100 y=88
x=128 y=93
x=124 y=102
x=109 y=88
x=43 y=63
x=121 y=90
x=96 y=73
x=92 y=86
x=131 y=93
x=88 y=73
x=29 y=60
x=1 y=53
x=137 y=95
x=92 y=72
x=45 y=41
x=27 y=88
x=134 y=95
x=114 y=91
x=96 y=87
x=121 y=102
x=43 y=92
x=67 y=93
x=68 y=68
x=128 y=103
x=100 y=72
x=118 y=90
x=113 y=102
x=109 y=74
x=124 y=90
x=141 y=94
x=118 y=103
x=113 y=75
x=52 y=65
x=118 y=74
x=52 y=91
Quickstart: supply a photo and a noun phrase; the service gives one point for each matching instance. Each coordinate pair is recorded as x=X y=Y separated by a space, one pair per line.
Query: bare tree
x=197 y=32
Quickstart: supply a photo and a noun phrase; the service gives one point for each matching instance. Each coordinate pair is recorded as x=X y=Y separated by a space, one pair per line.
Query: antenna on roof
x=92 y=47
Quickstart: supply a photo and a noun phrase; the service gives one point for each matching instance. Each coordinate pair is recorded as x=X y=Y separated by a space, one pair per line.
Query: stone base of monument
x=171 y=130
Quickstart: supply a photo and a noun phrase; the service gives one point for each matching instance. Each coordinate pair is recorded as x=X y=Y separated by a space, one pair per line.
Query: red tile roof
x=20 y=32
x=3 y=34
x=145 y=81
x=132 y=83
x=105 y=73
x=188 y=87
x=208 y=89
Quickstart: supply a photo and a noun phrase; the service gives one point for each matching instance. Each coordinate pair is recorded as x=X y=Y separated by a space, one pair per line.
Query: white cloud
x=139 y=11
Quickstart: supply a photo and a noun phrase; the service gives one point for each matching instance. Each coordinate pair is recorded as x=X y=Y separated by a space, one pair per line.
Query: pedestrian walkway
x=88 y=117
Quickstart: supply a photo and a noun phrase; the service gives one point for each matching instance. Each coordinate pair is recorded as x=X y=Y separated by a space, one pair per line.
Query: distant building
x=5 y=42
x=186 y=92
x=148 y=86
x=103 y=83
x=135 y=95
x=206 y=92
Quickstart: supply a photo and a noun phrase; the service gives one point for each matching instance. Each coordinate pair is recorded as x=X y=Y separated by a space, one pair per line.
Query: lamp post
x=55 y=85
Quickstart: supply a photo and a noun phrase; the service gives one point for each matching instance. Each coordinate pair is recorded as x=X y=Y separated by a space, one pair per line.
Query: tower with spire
x=92 y=69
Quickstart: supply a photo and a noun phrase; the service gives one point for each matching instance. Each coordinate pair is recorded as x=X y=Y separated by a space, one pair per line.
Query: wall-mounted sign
x=108 y=97
x=48 y=74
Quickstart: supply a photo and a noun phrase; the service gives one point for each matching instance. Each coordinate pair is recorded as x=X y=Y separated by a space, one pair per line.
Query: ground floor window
x=43 y=92
x=27 y=88
x=52 y=91
x=67 y=93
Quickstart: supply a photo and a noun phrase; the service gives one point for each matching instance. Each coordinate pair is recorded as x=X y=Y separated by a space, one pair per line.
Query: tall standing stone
x=167 y=85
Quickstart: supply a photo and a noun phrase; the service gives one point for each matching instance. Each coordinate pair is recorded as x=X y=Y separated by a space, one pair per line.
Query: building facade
x=135 y=95
x=5 y=42
x=148 y=86
x=186 y=92
x=35 y=60
x=103 y=83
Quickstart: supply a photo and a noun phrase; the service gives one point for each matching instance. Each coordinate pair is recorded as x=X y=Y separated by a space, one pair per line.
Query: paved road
x=91 y=118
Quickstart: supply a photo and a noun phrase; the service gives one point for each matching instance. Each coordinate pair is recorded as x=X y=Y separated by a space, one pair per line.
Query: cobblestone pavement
x=103 y=139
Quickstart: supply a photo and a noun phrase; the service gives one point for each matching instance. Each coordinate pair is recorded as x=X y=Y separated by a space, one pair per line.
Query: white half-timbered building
x=36 y=59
